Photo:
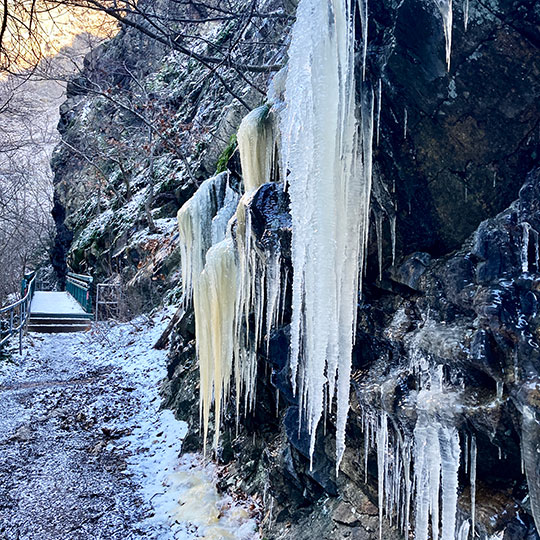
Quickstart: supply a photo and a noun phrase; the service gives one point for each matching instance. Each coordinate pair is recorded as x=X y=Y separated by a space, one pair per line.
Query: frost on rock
x=330 y=194
x=256 y=145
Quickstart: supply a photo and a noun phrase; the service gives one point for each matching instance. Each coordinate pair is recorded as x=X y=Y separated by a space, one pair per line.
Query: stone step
x=57 y=327
x=37 y=320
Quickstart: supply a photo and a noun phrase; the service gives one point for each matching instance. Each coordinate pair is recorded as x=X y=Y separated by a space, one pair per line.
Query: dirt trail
x=62 y=462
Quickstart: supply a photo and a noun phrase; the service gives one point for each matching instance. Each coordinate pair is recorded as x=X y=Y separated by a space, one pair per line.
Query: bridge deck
x=58 y=304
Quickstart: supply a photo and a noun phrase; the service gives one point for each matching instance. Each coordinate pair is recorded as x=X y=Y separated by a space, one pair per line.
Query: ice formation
x=363 y=9
x=330 y=194
x=473 y=483
x=527 y=233
x=197 y=232
x=379 y=108
x=530 y=453
x=256 y=145
x=420 y=469
x=229 y=277
x=445 y=7
x=214 y=305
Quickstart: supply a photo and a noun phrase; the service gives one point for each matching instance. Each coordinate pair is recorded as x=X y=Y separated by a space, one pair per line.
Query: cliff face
x=455 y=176
x=142 y=127
x=454 y=169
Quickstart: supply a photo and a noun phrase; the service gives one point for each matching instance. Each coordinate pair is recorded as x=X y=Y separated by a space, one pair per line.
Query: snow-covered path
x=85 y=452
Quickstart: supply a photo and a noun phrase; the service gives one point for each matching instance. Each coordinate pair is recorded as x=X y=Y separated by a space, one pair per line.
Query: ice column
x=214 y=303
x=330 y=195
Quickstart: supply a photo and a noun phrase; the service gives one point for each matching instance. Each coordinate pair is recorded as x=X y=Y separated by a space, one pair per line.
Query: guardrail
x=13 y=318
x=79 y=287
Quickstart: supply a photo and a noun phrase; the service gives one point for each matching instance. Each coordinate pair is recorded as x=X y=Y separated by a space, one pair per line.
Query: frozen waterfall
x=327 y=151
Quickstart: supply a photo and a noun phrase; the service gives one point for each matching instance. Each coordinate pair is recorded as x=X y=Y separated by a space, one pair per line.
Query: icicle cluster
x=214 y=305
x=228 y=277
x=420 y=471
x=201 y=223
x=330 y=195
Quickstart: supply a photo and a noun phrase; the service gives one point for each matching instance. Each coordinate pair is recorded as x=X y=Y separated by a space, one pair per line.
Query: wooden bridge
x=48 y=311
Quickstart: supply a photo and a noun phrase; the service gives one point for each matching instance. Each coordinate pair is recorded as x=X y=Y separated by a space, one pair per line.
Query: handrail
x=79 y=286
x=19 y=312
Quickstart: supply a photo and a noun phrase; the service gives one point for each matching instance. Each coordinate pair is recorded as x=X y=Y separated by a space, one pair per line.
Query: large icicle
x=330 y=194
x=256 y=145
x=445 y=7
x=214 y=303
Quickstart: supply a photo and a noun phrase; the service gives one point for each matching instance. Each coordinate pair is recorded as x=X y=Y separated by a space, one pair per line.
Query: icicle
x=500 y=389
x=526 y=228
x=463 y=533
x=405 y=114
x=379 y=106
x=214 y=304
x=408 y=489
x=465 y=13
x=494 y=178
x=379 y=233
x=382 y=465
x=364 y=21
x=530 y=455
x=224 y=214
x=445 y=7
x=393 y=220
x=256 y=145
x=466 y=453
x=195 y=220
x=273 y=294
x=473 y=483
x=450 y=449
x=330 y=195
x=366 y=449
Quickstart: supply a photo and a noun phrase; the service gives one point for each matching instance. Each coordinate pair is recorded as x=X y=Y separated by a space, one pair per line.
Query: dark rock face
x=471 y=132
x=62 y=242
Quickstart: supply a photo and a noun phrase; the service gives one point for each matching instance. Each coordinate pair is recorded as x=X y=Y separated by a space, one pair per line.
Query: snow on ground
x=55 y=302
x=85 y=407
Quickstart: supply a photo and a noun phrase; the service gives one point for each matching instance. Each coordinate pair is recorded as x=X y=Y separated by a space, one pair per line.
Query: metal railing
x=108 y=301
x=79 y=287
x=13 y=318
